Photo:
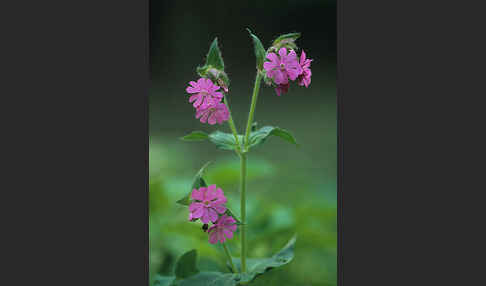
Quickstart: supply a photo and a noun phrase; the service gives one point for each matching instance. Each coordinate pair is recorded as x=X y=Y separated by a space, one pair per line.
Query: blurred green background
x=290 y=190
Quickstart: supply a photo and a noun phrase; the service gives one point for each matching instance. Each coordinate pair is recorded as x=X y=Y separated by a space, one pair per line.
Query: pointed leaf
x=258 y=266
x=186 y=265
x=197 y=182
x=290 y=37
x=224 y=141
x=214 y=57
x=160 y=280
x=260 y=136
x=210 y=279
x=260 y=52
x=195 y=136
x=230 y=213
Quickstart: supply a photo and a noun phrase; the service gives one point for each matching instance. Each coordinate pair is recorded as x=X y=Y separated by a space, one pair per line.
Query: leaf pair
x=187 y=273
x=226 y=141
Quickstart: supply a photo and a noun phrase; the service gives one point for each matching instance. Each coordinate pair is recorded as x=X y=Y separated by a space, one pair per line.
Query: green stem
x=243 y=211
x=243 y=161
x=231 y=123
x=254 y=98
x=229 y=258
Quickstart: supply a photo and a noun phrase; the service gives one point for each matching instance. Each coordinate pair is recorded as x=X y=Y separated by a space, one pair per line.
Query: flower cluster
x=208 y=205
x=284 y=66
x=207 y=100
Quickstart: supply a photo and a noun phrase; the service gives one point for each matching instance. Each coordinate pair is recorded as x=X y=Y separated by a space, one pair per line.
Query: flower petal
x=205 y=215
x=217 y=94
x=229 y=220
x=219 y=208
x=213 y=237
x=232 y=227
x=194 y=206
x=280 y=77
x=268 y=66
x=212 y=118
x=213 y=215
x=199 y=212
x=201 y=82
x=204 y=117
x=302 y=57
x=221 y=237
x=273 y=59
x=191 y=89
x=198 y=194
x=211 y=192
x=228 y=233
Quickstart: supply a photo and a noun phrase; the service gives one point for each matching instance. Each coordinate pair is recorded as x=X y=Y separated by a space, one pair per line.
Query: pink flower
x=284 y=67
x=208 y=203
x=212 y=114
x=205 y=93
x=305 y=77
x=223 y=229
x=282 y=88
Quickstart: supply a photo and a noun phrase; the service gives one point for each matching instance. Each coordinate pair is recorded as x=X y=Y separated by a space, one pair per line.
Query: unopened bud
x=223 y=85
x=205 y=227
x=285 y=41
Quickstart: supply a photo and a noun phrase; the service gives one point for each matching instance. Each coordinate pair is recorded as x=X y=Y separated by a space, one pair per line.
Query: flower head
x=283 y=66
x=209 y=201
x=282 y=88
x=223 y=229
x=305 y=77
x=212 y=114
x=205 y=93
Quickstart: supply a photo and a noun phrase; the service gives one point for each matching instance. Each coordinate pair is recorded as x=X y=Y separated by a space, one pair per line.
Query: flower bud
x=205 y=227
x=285 y=41
x=217 y=76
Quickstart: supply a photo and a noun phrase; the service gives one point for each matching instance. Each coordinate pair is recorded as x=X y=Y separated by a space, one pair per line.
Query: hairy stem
x=243 y=211
x=226 y=250
x=254 y=98
x=243 y=161
x=231 y=123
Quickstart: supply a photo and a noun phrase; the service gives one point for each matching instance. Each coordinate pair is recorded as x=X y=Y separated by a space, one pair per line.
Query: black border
x=339 y=99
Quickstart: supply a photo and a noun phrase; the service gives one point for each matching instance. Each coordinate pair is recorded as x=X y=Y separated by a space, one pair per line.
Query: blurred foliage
x=271 y=221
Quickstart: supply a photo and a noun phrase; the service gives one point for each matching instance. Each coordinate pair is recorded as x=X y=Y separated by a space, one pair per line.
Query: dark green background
x=290 y=190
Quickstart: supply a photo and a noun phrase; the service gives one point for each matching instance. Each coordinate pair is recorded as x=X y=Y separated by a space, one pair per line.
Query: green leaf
x=290 y=37
x=195 y=136
x=186 y=265
x=205 y=278
x=197 y=182
x=258 y=266
x=260 y=52
x=214 y=57
x=224 y=141
x=230 y=213
x=210 y=279
x=160 y=280
x=260 y=136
